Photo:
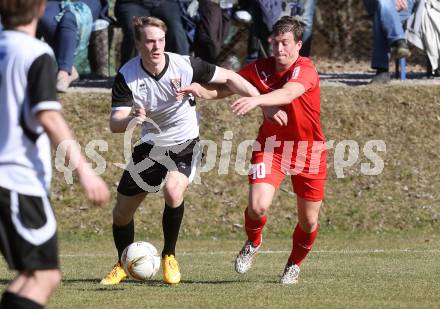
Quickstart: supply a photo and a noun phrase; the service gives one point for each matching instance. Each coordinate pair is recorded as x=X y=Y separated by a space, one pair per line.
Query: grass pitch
x=343 y=271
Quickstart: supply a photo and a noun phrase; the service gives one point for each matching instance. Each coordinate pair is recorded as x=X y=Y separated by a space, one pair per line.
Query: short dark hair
x=140 y=22
x=287 y=24
x=16 y=13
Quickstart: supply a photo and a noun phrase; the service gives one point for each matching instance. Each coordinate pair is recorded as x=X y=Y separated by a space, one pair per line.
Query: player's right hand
x=139 y=115
x=95 y=188
x=244 y=105
x=195 y=89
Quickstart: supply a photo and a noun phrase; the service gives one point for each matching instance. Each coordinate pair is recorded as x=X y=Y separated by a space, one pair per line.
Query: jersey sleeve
x=203 y=71
x=41 y=84
x=306 y=75
x=122 y=97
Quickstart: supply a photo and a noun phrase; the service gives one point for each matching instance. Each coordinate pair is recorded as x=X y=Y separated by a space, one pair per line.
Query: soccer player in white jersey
x=144 y=92
x=30 y=119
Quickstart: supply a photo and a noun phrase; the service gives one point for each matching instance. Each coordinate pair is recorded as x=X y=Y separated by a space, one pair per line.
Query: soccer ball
x=140 y=260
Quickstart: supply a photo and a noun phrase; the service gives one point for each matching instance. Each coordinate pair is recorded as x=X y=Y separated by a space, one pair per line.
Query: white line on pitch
x=278 y=252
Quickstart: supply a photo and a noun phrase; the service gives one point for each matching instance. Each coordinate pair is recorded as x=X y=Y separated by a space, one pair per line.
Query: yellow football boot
x=115 y=276
x=170 y=268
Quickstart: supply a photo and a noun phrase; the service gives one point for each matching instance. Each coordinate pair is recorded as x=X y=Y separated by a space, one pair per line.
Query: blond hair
x=140 y=22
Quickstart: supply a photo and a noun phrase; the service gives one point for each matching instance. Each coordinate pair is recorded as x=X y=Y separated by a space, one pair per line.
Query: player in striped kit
x=30 y=120
x=146 y=92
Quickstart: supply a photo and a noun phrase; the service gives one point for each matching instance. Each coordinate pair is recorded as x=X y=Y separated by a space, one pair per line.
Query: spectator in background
x=423 y=31
x=262 y=22
x=388 y=34
x=266 y=12
x=307 y=14
x=212 y=28
x=167 y=10
x=66 y=27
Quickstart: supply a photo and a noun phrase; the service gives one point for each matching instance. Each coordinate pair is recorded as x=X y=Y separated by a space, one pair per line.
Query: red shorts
x=268 y=169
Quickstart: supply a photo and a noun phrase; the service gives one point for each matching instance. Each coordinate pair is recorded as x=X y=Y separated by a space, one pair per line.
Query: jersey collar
x=159 y=76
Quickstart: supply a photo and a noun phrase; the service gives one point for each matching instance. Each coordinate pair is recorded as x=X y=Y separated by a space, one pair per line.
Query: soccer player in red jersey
x=298 y=149
x=291 y=83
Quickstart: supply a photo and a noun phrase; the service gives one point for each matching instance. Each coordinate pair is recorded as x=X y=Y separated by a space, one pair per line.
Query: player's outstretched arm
x=239 y=85
x=59 y=134
x=224 y=84
x=207 y=92
x=236 y=83
x=282 y=96
x=215 y=91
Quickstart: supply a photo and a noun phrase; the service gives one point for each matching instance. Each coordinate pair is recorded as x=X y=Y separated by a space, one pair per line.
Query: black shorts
x=28 y=236
x=157 y=162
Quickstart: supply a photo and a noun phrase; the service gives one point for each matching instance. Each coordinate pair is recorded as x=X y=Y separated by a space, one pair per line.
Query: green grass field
x=379 y=244
x=343 y=271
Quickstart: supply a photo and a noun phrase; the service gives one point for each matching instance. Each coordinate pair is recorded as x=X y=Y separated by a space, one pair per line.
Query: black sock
x=171 y=220
x=11 y=300
x=123 y=236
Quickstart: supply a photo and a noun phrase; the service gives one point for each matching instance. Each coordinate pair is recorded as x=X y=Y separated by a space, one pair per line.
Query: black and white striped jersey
x=169 y=122
x=27 y=86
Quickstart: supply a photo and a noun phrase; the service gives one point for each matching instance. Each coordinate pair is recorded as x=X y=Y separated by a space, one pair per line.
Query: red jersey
x=301 y=142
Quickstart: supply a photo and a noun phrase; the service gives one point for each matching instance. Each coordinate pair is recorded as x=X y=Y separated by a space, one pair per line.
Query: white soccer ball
x=140 y=260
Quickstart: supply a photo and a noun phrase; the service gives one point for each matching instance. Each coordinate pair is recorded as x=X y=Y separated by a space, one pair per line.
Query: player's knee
x=69 y=20
x=308 y=225
x=259 y=207
x=173 y=198
x=257 y=211
x=173 y=193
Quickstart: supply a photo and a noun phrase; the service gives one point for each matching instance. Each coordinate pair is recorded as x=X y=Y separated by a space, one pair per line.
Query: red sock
x=302 y=243
x=254 y=228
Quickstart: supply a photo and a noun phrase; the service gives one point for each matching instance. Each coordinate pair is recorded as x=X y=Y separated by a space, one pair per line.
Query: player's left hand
x=244 y=105
x=276 y=115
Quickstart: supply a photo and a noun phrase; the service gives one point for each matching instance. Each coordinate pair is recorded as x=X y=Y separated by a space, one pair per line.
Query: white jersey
x=169 y=122
x=27 y=86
